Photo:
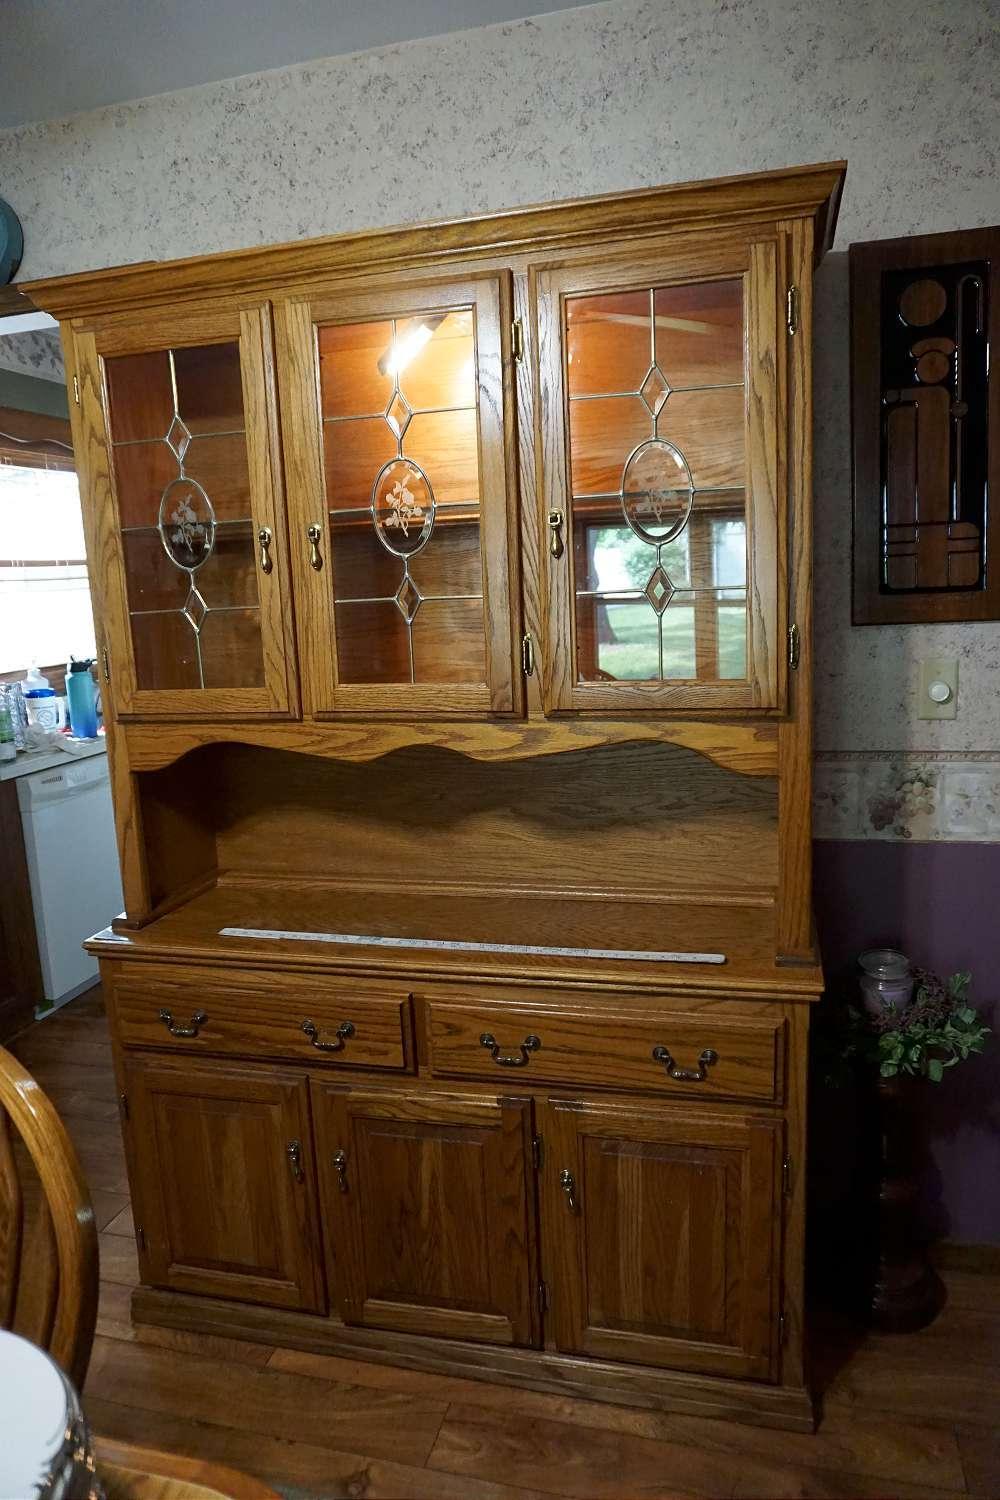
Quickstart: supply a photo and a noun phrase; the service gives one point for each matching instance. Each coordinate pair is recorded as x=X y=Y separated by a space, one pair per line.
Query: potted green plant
x=921 y=1039
x=911 y=1025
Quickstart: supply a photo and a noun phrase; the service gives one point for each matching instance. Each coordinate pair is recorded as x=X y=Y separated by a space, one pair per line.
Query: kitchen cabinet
x=426 y=1202
x=662 y=1224
x=223 y=1180
x=186 y=521
x=399 y=433
x=662 y=463
x=465 y=821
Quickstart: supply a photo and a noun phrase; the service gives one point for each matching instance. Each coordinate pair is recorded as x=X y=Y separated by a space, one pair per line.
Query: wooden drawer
x=713 y=1053
x=256 y=1014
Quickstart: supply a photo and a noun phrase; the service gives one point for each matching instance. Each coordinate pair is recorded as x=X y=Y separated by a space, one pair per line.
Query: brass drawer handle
x=340 y=1167
x=193 y=1027
x=686 y=1075
x=294 y=1153
x=529 y=1045
x=555 y=533
x=264 y=538
x=568 y=1184
x=315 y=560
x=344 y=1031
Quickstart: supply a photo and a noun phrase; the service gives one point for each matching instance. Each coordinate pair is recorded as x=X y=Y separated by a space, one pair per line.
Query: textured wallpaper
x=612 y=96
x=38 y=353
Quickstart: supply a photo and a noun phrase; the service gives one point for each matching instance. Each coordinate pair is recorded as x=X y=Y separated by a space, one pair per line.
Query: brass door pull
x=193 y=1027
x=555 y=533
x=568 y=1184
x=264 y=538
x=315 y=560
x=340 y=1167
x=686 y=1075
x=294 y=1153
x=529 y=1045
x=344 y=1031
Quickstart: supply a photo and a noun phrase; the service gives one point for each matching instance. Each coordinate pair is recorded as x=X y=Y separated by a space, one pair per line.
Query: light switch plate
x=935 y=670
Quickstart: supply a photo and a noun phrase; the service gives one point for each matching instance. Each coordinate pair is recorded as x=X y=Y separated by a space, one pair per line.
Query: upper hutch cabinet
x=661 y=427
x=187 y=529
x=398 y=428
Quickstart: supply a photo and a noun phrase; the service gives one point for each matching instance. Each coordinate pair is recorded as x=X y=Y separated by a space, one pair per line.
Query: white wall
x=609 y=96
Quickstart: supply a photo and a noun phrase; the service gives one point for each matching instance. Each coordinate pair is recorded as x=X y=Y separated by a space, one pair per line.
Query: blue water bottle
x=81 y=694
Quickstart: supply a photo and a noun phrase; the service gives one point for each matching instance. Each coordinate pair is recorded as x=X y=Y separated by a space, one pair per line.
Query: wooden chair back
x=48 y=1239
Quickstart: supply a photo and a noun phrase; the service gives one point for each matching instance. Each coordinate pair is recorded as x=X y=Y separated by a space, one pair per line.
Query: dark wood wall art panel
x=925 y=313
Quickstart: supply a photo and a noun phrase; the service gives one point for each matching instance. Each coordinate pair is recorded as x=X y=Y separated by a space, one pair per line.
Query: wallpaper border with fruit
x=898 y=795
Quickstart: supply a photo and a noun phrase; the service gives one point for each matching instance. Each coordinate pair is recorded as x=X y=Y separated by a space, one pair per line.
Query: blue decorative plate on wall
x=11 y=243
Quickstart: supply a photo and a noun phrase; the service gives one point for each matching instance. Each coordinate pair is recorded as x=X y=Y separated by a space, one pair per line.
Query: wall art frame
x=925 y=408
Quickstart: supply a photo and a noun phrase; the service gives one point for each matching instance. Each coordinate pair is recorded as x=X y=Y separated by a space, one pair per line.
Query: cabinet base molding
x=788 y=1408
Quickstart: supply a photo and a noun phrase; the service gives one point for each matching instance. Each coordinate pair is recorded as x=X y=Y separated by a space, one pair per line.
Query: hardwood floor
x=910 y=1416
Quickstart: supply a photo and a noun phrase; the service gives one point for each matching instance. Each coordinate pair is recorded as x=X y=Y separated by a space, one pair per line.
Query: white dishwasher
x=69 y=839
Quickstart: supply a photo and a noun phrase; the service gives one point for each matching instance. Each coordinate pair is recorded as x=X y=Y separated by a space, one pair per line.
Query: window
x=45 y=611
x=701 y=636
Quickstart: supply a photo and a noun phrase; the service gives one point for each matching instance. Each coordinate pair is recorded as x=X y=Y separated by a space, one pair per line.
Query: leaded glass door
x=403 y=519
x=188 y=534
x=661 y=446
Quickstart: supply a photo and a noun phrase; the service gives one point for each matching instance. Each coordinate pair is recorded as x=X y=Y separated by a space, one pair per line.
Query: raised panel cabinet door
x=224 y=1181
x=178 y=452
x=661 y=1238
x=661 y=390
x=399 y=440
x=427 y=1210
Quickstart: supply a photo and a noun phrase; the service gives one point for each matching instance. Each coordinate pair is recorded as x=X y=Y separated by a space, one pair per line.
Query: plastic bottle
x=35 y=682
x=81 y=693
x=45 y=708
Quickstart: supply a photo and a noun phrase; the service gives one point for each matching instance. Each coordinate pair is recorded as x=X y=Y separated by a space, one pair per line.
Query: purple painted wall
x=939 y=903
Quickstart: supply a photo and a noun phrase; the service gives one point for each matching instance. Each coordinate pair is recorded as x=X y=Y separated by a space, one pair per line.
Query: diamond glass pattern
x=397 y=414
x=178 y=438
x=196 y=609
x=654 y=390
x=408 y=598
x=659 y=590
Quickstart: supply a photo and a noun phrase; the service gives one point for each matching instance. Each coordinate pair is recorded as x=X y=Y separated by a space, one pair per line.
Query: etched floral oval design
x=187 y=524
x=657 y=491
x=403 y=507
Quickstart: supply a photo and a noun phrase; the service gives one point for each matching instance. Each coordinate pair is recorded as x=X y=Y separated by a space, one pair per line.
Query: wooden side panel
x=426 y=1205
x=765 y=469
x=660 y=1236
x=178 y=838
x=793 y=1297
x=107 y=590
x=794 y=935
x=226 y=1203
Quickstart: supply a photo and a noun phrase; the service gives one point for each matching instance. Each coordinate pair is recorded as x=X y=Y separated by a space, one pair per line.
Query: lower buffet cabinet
x=223 y=1181
x=421 y=1210
x=429 y=1211
x=659 y=1226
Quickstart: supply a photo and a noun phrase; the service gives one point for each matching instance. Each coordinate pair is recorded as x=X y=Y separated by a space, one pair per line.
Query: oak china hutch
x=453 y=598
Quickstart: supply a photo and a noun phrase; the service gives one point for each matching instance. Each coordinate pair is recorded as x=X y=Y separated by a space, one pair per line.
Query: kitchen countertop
x=29 y=761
